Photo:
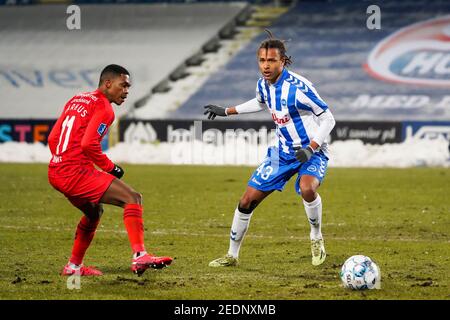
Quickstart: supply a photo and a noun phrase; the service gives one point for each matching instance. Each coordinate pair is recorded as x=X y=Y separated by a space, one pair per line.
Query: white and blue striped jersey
x=295 y=105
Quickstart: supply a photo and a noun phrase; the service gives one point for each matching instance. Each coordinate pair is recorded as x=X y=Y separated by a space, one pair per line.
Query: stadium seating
x=43 y=63
x=330 y=44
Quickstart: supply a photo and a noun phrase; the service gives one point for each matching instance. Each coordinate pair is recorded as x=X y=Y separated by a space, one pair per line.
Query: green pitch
x=398 y=217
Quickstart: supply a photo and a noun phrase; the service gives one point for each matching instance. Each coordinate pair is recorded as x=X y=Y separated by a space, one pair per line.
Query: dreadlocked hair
x=273 y=43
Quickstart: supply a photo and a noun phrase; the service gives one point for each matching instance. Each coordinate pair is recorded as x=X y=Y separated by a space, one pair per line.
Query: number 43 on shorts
x=264 y=171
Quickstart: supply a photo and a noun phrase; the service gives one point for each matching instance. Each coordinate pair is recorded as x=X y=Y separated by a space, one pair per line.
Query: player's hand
x=117 y=171
x=214 y=111
x=303 y=155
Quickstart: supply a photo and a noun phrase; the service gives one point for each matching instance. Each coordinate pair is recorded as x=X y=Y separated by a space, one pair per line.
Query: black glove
x=117 y=172
x=214 y=111
x=303 y=155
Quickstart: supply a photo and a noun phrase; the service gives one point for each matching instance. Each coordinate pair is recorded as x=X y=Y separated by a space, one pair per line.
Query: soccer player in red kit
x=75 y=146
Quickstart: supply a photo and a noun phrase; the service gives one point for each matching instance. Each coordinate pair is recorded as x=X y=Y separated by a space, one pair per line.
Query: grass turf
x=398 y=217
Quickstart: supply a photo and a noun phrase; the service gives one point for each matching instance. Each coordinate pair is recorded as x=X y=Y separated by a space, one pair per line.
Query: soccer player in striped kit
x=303 y=122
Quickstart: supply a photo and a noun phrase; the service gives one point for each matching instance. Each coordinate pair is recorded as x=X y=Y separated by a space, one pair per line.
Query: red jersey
x=75 y=139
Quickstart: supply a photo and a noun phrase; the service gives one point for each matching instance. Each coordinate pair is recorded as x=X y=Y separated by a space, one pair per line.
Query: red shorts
x=80 y=184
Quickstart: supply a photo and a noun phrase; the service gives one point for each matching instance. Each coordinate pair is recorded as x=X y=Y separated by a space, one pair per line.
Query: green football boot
x=227 y=261
x=318 y=252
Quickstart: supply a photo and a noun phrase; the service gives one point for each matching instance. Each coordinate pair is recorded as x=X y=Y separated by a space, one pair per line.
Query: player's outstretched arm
x=213 y=111
x=247 y=107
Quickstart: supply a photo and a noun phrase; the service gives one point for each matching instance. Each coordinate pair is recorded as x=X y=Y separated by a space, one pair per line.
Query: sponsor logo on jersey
x=101 y=128
x=418 y=54
x=312 y=168
x=282 y=120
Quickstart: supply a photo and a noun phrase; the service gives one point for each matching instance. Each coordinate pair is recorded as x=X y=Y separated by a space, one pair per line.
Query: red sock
x=83 y=237
x=132 y=218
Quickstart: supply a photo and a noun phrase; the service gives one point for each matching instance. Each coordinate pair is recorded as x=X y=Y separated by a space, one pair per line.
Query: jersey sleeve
x=91 y=141
x=259 y=94
x=326 y=124
x=307 y=98
x=250 y=106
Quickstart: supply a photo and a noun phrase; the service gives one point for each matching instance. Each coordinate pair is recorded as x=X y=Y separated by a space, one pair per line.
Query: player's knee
x=92 y=212
x=308 y=191
x=244 y=202
x=135 y=197
x=95 y=214
x=100 y=211
x=247 y=205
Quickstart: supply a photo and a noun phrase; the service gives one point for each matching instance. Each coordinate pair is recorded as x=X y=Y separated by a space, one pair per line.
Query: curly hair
x=273 y=43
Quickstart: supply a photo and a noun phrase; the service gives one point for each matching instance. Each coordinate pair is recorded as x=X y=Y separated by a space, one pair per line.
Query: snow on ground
x=352 y=153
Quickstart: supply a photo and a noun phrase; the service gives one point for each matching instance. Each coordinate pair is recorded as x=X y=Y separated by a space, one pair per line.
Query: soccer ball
x=360 y=272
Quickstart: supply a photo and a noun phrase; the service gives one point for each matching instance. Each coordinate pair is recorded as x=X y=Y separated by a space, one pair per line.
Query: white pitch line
x=225 y=235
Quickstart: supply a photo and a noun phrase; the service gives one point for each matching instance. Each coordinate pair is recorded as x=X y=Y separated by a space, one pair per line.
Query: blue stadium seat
x=330 y=45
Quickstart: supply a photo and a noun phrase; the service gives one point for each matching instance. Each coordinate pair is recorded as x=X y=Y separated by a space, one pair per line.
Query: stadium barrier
x=398 y=144
x=371 y=132
x=34 y=130
x=238 y=142
x=251 y=134
x=129 y=130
